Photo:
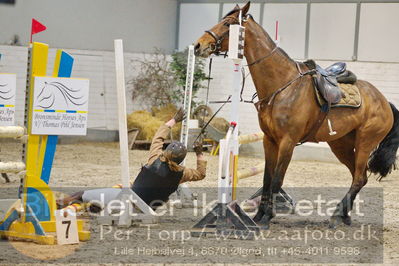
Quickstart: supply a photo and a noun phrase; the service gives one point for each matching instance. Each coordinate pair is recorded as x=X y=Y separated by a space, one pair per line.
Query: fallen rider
x=158 y=179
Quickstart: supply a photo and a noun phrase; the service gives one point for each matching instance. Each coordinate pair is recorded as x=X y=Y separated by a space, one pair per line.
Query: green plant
x=179 y=68
x=154 y=83
x=160 y=80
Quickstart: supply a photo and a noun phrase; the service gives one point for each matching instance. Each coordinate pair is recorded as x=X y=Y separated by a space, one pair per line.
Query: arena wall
x=90 y=24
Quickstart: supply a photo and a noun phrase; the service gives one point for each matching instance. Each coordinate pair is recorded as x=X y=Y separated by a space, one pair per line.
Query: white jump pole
x=12 y=167
x=228 y=154
x=12 y=132
x=183 y=190
x=127 y=196
x=188 y=95
x=227 y=217
x=120 y=90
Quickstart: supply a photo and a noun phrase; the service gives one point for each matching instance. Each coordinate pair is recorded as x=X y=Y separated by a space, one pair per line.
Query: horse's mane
x=267 y=36
x=249 y=16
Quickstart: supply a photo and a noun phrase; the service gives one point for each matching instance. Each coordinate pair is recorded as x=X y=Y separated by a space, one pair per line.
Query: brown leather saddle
x=326 y=80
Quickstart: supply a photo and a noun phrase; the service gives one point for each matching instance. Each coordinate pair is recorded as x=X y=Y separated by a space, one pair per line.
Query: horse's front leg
x=279 y=156
x=270 y=149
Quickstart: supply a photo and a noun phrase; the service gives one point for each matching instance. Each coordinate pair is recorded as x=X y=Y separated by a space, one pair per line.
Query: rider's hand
x=198 y=147
x=180 y=115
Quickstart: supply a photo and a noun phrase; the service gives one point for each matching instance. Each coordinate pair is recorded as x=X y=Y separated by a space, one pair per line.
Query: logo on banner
x=8 y=84
x=71 y=98
x=60 y=106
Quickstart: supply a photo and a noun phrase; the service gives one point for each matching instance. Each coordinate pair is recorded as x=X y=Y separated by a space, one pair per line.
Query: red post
x=276 y=30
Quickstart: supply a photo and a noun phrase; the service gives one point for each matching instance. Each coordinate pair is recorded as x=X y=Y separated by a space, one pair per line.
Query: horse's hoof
x=333 y=223
x=336 y=220
x=263 y=224
x=262 y=221
x=347 y=220
x=258 y=216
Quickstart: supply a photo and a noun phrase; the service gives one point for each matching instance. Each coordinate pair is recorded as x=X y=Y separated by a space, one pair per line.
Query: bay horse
x=367 y=138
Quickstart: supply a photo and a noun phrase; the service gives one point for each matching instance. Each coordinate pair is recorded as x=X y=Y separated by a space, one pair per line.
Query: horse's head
x=216 y=39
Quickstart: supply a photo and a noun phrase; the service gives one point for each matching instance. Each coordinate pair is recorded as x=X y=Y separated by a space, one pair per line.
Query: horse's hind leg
x=363 y=147
x=344 y=150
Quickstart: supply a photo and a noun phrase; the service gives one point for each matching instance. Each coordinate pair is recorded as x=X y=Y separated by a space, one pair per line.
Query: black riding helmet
x=176 y=151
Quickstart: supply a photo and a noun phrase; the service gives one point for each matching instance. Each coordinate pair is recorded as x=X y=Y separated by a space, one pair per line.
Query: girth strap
x=320 y=119
x=324 y=110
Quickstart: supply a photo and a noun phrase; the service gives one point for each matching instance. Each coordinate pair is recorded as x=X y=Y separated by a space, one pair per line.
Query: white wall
x=292 y=26
x=379 y=32
x=332 y=28
x=93 y=24
x=194 y=20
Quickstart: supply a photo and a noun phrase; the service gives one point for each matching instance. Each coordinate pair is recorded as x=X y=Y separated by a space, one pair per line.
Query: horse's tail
x=382 y=160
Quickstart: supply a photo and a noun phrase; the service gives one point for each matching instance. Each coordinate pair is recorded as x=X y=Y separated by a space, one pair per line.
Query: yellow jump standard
x=32 y=216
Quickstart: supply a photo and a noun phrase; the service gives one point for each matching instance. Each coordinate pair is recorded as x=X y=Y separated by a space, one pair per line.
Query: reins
x=300 y=75
x=323 y=111
x=207 y=101
x=212 y=117
x=209 y=82
x=264 y=57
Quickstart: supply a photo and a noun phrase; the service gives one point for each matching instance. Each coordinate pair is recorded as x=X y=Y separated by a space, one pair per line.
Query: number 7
x=67 y=230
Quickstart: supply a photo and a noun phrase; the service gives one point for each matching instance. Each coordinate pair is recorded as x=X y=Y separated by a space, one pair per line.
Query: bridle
x=217 y=46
